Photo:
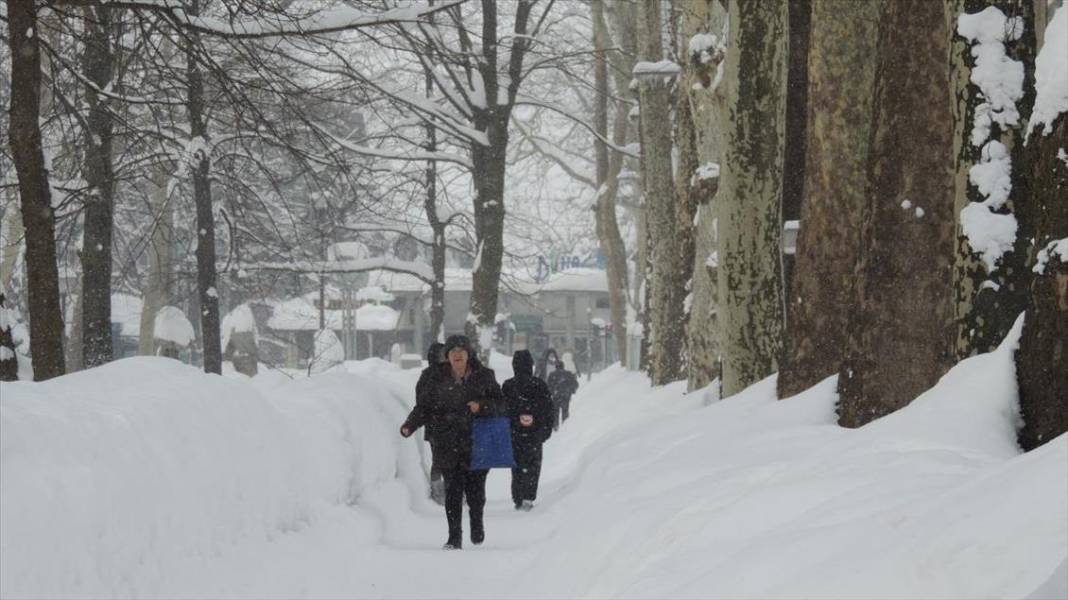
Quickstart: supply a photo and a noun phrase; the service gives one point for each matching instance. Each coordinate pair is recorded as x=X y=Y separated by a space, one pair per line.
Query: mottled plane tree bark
x=841 y=78
x=750 y=194
x=901 y=331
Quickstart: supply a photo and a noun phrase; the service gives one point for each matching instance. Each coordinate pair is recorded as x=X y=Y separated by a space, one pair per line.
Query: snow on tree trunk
x=992 y=60
x=158 y=290
x=200 y=151
x=900 y=333
x=11 y=242
x=489 y=167
x=1042 y=359
x=98 y=62
x=664 y=287
x=749 y=196
x=705 y=28
x=24 y=138
x=841 y=78
x=9 y=364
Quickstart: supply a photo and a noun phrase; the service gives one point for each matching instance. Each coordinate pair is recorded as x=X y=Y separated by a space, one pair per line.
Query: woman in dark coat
x=455 y=394
x=530 y=407
x=546 y=363
x=563 y=384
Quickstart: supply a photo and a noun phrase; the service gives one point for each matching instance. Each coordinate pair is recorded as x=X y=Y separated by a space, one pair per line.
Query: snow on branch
x=395 y=155
x=386 y=263
x=274 y=25
x=624 y=150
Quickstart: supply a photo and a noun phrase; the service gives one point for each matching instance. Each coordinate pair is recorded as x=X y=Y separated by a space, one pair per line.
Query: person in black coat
x=545 y=364
x=435 y=357
x=563 y=384
x=530 y=408
x=456 y=393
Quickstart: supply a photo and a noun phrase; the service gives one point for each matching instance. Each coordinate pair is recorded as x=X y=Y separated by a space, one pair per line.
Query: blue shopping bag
x=491 y=443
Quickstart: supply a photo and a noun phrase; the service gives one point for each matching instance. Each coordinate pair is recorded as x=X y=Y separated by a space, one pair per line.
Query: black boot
x=455 y=541
x=478 y=533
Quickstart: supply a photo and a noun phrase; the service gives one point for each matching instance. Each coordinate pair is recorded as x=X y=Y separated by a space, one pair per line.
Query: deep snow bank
x=757 y=498
x=111 y=476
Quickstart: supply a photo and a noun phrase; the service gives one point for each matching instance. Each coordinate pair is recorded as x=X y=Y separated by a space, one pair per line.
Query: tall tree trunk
x=678 y=272
x=1042 y=359
x=793 y=165
x=709 y=109
x=988 y=300
x=622 y=300
x=490 y=162
x=841 y=79
x=46 y=318
x=198 y=129
x=98 y=64
x=489 y=166
x=665 y=290
x=159 y=289
x=900 y=339
x=750 y=193
x=437 y=228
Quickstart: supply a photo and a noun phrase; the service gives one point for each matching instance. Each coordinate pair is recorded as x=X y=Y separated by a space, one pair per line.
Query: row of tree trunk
x=886 y=291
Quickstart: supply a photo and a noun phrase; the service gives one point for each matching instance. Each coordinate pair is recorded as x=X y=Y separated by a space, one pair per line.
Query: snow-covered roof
x=298 y=314
x=575 y=280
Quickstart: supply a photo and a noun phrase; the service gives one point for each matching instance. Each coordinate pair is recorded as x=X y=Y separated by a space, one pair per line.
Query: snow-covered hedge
x=111 y=477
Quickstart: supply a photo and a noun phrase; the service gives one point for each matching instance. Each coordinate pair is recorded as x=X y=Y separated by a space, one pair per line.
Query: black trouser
x=526 y=472
x=460 y=482
x=561 y=411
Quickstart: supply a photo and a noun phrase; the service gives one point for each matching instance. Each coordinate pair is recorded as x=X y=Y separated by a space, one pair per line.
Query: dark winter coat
x=545 y=364
x=422 y=387
x=562 y=384
x=442 y=408
x=525 y=394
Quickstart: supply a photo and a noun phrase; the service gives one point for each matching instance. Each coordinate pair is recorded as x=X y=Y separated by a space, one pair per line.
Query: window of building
x=602 y=303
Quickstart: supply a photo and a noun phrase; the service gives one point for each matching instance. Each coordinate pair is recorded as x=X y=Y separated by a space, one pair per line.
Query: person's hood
x=522 y=363
x=458 y=341
x=435 y=353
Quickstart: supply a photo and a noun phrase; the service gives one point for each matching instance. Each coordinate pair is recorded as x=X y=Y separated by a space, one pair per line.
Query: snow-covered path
x=147 y=479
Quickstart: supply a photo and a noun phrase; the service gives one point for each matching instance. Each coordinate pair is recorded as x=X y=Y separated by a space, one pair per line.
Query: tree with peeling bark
x=994 y=225
x=841 y=71
x=705 y=30
x=900 y=332
x=748 y=203
x=666 y=287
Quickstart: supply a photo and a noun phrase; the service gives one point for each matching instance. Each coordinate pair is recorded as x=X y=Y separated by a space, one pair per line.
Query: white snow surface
x=172 y=325
x=1051 y=75
x=148 y=478
x=329 y=352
